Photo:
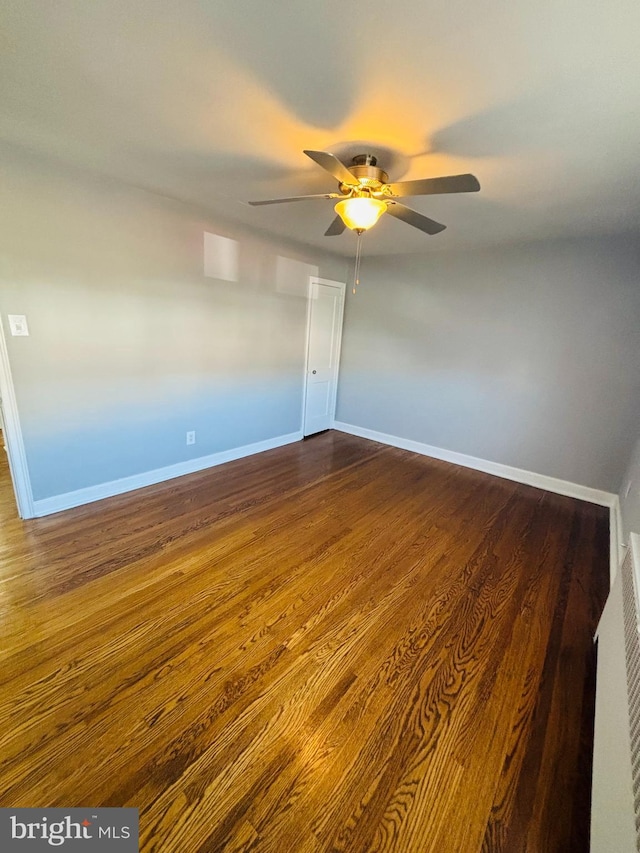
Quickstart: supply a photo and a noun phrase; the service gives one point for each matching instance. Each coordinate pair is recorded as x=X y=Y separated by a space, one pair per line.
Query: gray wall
x=528 y=355
x=131 y=345
x=630 y=494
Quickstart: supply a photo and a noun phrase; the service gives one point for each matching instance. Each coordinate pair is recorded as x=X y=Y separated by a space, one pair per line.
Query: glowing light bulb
x=360 y=212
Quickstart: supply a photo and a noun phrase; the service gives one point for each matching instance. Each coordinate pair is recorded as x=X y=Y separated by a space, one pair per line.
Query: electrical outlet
x=191 y=437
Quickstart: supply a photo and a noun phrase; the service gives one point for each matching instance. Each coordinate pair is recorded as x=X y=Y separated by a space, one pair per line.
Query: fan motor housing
x=367 y=173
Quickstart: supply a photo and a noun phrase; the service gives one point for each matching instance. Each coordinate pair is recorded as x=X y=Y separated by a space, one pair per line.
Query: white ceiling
x=213 y=101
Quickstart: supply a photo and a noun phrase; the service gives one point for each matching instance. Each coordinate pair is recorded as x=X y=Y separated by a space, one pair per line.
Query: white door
x=324 y=333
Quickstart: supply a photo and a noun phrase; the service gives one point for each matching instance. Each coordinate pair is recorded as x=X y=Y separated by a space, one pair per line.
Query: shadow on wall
x=307 y=37
x=566 y=113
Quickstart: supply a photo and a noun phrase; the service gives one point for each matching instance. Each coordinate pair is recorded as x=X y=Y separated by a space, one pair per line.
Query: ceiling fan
x=365 y=194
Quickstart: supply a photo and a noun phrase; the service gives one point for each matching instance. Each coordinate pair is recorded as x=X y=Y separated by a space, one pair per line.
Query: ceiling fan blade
x=436 y=186
x=295 y=198
x=335 y=167
x=412 y=217
x=336 y=227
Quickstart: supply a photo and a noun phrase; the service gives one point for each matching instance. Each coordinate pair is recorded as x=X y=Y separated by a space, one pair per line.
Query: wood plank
x=331 y=646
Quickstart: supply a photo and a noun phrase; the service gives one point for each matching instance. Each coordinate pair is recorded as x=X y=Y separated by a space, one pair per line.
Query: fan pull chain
x=356 y=271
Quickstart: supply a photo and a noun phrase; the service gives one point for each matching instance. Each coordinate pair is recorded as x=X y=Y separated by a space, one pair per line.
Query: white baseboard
x=57 y=503
x=528 y=478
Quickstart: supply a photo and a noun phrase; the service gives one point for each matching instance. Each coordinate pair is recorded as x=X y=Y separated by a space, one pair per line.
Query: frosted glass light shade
x=360 y=213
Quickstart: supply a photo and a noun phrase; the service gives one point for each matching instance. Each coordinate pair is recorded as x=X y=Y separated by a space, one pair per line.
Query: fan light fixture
x=360 y=183
x=360 y=212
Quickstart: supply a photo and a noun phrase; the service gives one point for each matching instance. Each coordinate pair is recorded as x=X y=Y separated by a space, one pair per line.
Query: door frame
x=13 y=434
x=342 y=286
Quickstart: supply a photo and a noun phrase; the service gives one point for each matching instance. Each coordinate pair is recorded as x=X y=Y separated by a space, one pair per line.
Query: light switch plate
x=18 y=324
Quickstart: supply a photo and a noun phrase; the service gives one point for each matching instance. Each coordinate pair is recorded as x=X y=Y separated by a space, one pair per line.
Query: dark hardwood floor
x=333 y=646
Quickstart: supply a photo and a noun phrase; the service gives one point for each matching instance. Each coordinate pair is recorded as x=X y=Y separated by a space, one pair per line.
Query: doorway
x=324 y=336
